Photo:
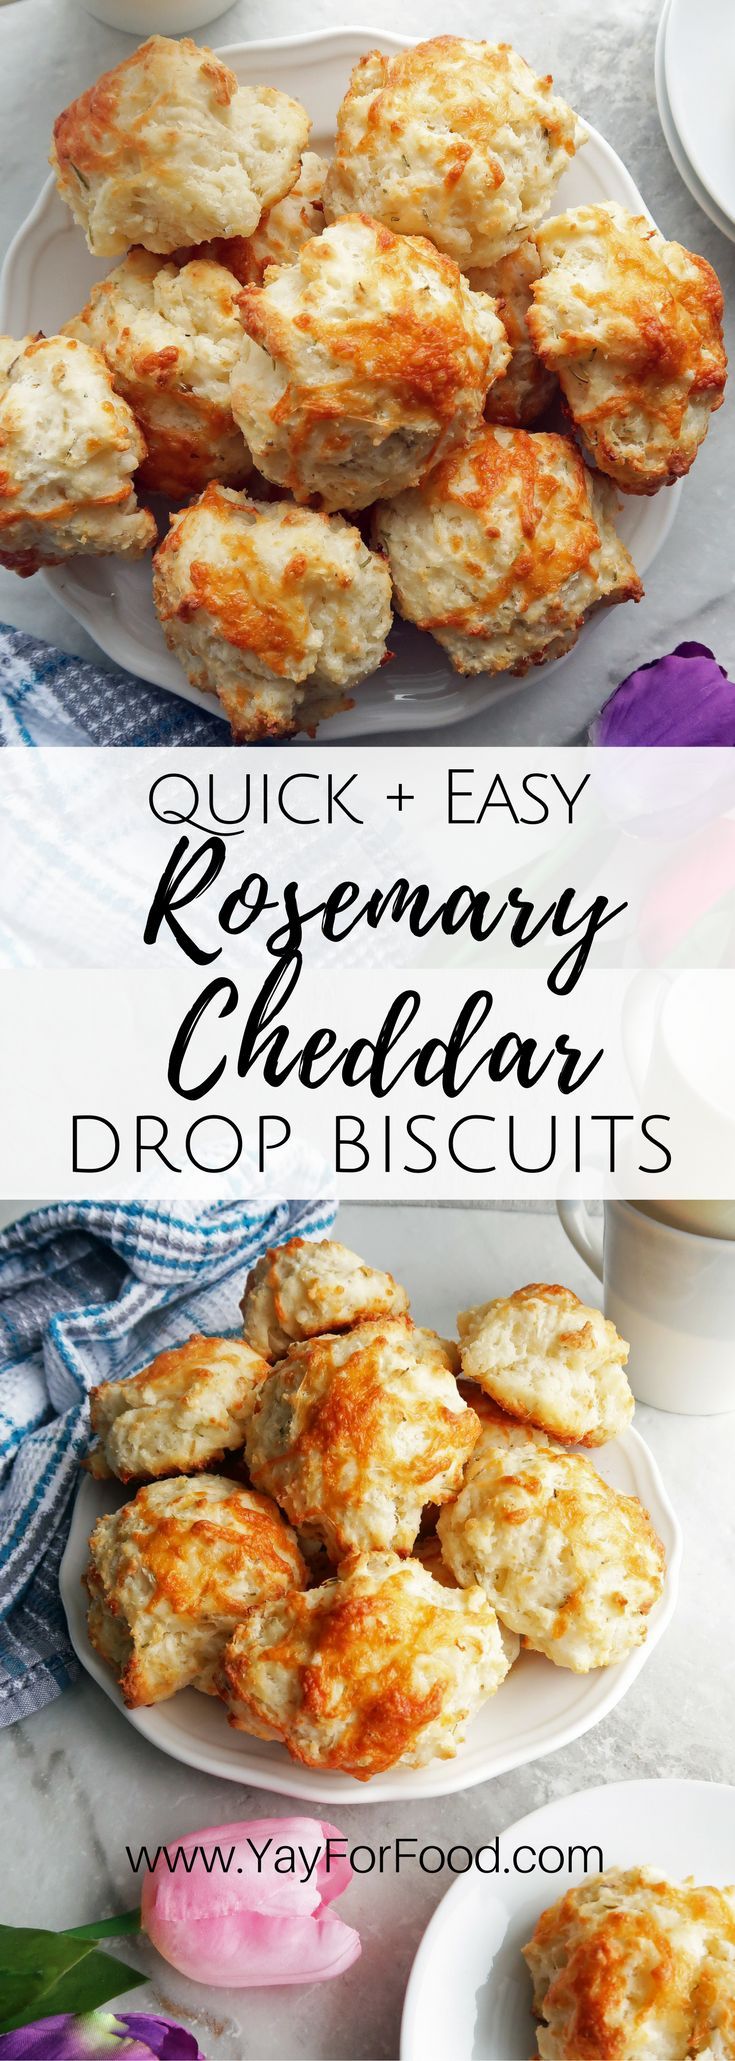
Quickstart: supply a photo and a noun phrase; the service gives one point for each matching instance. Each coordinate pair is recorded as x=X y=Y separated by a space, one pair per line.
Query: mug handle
x=582 y=1233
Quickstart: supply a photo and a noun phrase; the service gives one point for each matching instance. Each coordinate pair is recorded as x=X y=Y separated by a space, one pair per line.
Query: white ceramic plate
x=686 y=171
x=538 y=1708
x=700 y=80
x=469 y=1993
x=46 y=278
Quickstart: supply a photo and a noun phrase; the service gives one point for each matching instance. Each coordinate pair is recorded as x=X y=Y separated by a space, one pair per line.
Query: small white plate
x=469 y=1993
x=700 y=81
x=538 y=1708
x=46 y=279
x=676 y=148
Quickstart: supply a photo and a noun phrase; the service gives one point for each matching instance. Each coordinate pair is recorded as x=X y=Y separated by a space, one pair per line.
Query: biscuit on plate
x=631 y=1966
x=354 y=1434
x=380 y=1666
x=169 y=149
x=311 y=1285
x=174 y=1571
x=364 y=361
x=526 y=389
x=569 y=1563
x=70 y=447
x=275 y=609
x=281 y=232
x=543 y=1355
x=186 y=1410
x=504 y=550
x=170 y=336
x=455 y=140
x=632 y=326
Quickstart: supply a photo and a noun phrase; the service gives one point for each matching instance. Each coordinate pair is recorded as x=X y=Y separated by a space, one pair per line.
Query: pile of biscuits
x=288 y=344
x=346 y=1527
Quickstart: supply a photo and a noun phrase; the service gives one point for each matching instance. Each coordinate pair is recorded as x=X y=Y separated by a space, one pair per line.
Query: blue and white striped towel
x=49 y=698
x=89 y=1292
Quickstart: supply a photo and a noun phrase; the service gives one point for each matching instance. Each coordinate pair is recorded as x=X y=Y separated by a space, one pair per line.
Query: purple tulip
x=684 y=698
x=100 y=2036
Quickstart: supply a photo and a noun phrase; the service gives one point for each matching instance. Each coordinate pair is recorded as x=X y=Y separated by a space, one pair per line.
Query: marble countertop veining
x=79 y=1785
x=601 y=55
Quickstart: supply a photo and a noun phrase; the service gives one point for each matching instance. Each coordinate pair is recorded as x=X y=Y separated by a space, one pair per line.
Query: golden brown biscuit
x=278 y=611
x=632 y=326
x=567 y=1562
x=379 y=1667
x=281 y=233
x=170 y=336
x=455 y=140
x=355 y=1434
x=526 y=390
x=70 y=447
x=366 y=360
x=174 y=1571
x=630 y=1967
x=312 y=1285
x=186 y=1410
x=504 y=550
x=544 y=1356
x=168 y=149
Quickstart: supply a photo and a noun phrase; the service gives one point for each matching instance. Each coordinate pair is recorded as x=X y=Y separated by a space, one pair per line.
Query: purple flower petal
x=684 y=698
x=100 y=2036
x=161 y=2036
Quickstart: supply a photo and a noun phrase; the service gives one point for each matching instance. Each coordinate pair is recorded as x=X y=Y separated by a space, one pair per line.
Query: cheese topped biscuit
x=277 y=610
x=311 y=1285
x=169 y=149
x=544 y=1356
x=378 y=1667
x=170 y=336
x=568 y=1563
x=643 y=1967
x=452 y=139
x=354 y=1435
x=365 y=361
x=632 y=327
x=174 y=1571
x=504 y=550
x=186 y=1410
x=70 y=447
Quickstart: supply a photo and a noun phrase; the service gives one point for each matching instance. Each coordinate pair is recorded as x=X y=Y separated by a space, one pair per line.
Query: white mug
x=155 y=17
x=671 y=1293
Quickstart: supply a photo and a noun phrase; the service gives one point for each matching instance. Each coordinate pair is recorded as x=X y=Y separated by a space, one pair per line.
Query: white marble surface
x=601 y=54
x=78 y=1784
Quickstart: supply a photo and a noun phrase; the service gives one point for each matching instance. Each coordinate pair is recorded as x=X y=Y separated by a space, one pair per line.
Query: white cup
x=155 y=17
x=671 y=1293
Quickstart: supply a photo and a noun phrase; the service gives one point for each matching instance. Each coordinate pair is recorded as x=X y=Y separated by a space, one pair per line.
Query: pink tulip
x=252 y=1916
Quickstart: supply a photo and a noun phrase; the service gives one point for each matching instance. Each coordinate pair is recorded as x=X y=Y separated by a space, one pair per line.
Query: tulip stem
x=106 y=1928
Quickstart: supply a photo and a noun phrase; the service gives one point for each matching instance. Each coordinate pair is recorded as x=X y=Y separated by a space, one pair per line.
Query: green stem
x=106 y=1928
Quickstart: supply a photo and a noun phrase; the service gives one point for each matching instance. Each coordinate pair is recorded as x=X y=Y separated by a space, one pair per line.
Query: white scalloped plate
x=538 y=1708
x=46 y=279
x=469 y=1992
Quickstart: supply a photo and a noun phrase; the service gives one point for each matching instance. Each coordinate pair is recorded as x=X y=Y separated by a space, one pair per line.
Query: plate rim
x=450 y=1776
x=678 y=109
x=460 y=1891
x=408 y=715
x=705 y=201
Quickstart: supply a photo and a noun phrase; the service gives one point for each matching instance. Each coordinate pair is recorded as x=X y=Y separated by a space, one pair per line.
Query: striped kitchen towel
x=48 y=697
x=89 y=1292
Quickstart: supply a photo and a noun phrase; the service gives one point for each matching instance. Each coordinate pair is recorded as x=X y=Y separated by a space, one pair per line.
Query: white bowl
x=538 y=1708
x=469 y=1993
x=46 y=279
